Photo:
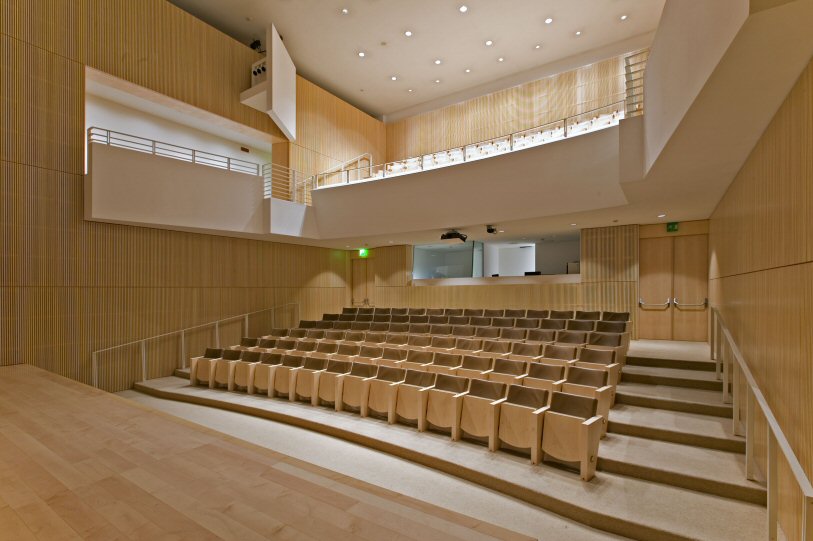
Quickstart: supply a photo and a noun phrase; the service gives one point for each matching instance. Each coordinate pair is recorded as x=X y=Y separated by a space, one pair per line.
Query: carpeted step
x=672 y=377
x=673 y=398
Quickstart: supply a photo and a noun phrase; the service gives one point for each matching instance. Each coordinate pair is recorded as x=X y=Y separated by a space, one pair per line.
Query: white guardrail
x=732 y=368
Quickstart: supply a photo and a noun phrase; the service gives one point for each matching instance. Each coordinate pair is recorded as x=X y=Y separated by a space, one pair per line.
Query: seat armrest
x=593 y=420
x=541 y=410
x=460 y=395
x=498 y=402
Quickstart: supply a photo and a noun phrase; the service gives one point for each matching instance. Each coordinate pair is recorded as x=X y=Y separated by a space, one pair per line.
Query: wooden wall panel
x=69 y=287
x=507 y=111
x=762 y=274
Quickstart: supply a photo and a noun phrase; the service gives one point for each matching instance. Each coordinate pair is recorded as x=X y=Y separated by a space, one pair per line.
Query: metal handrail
x=168 y=150
x=182 y=333
x=644 y=305
x=564 y=125
x=777 y=441
x=703 y=304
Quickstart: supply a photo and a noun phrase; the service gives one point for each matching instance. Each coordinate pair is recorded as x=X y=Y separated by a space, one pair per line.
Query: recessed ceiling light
x=661 y=215
x=437 y=80
x=345 y=11
x=500 y=59
x=437 y=61
x=463 y=8
x=537 y=46
x=409 y=90
x=501 y=231
x=489 y=43
x=362 y=54
x=578 y=32
x=623 y=17
x=408 y=33
x=572 y=224
x=548 y=20
x=468 y=70
x=394 y=78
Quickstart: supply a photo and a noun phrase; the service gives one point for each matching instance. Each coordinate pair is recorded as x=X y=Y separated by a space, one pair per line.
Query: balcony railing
x=168 y=150
x=582 y=123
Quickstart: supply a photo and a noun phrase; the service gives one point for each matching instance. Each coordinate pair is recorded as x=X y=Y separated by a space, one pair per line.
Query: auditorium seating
x=533 y=381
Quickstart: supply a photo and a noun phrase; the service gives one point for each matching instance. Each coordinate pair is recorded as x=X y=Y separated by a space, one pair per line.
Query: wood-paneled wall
x=507 y=111
x=609 y=266
x=69 y=287
x=762 y=275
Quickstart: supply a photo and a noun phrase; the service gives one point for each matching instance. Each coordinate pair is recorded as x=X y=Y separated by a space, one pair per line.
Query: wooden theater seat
x=524 y=351
x=378 y=395
x=512 y=334
x=592 y=384
x=540 y=336
x=614 y=341
x=587 y=315
x=572 y=432
x=442 y=344
x=478 y=415
x=223 y=368
x=508 y=371
x=243 y=370
x=615 y=316
x=324 y=383
x=537 y=314
x=408 y=397
x=561 y=314
x=201 y=368
x=440 y=405
x=580 y=325
x=559 y=354
x=301 y=382
x=280 y=378
x=262 y=374
x=443 y=363
x=349 y=386
x=572 y=338
x=520 y=420
x=600 y=359
x=548 y=377
x=474 y=367
x=392 y=357
x=417 y=359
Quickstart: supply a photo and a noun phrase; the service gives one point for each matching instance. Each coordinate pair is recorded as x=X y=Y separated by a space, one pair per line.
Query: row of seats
x=347 y=321
x=564 y=419
x=485 y=312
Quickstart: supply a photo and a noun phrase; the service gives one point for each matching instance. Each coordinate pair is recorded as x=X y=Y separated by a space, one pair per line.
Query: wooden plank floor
x=77 y=463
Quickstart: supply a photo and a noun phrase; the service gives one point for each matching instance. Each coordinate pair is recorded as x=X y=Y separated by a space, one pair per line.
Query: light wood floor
x=76 y=463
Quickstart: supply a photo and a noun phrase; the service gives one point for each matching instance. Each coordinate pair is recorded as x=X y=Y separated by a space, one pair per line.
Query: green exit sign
x=364 y=252
x=672 y=227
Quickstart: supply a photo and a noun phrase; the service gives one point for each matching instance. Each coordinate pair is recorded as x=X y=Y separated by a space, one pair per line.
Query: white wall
x=691 y=39
x=441 y=263
x=103 y=113
x=516 y=261
x=491 y=259
x=552 y=257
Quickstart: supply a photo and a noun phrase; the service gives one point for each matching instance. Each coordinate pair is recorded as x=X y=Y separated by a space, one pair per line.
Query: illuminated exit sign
x=364 y=252
x=672 y=227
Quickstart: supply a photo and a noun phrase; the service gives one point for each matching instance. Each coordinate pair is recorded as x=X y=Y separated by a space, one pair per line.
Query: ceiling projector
x=454 y=234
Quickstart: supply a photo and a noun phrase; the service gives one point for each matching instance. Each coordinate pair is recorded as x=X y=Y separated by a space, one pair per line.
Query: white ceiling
x=324 y=43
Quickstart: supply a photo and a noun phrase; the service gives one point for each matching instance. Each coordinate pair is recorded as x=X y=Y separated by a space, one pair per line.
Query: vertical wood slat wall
x=508 y=111
x=762 y=276
x=69 y=287
x=609 y=266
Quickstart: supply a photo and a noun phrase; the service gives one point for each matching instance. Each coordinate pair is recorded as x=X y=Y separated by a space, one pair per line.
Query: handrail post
x=153 y=147
x=217 y=334
x=94 y=369
x=183 y=349
x=773 y=486
x=194 y=156
x=245 y=326
x=228 y=163
x=143 y=360
x=749 y=435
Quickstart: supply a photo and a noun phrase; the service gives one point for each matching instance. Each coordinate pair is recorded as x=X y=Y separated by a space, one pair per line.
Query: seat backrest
x=510 y=333
x=571 y=404
x=372 y=352
x=312 y=363
x=527 y=396
x=419 y=319
x=271 y=358
x=398 y=311
x=463 y=330
x=487 y=332
x=502 y=322
x=327 y=347
x=388 y=373
x=366 y=310
x=250 y=356
x=323 y=325
x=526 y=323
x=306 y=345
x=474 y=362
x=297 y=333
x=440 y=329
x=330 y=317
x=496 y=346
x=605 y=339
x=418 y=340
x=416 y=311
x=394 y=354
x=541 y=335
x=360 y=326
x=350 y=310
x=278 y=333
x=385 y=318
x=267 y=342
x=453 y=312
x=419 y=356
x=380 y=327
x=231 y=354
x=564 y=353
x=315 y=334
x=364 y=318
x=363 y=370
x=419 y=378
x=354 y=336
x=561 y=314
x=509 y=366
x=212 y=353
x=446 y=359
x=528 y=350
x=597 y=356
x=459 y=320
x=338 y=367
x=434 y=311
x=537 y=314
x=399 y=327
x=580 y=325
x=334 y=335
x=438 y=320
x=571 y=337
x=286 y=343
x=375 y=337
x=306 y=324
x=419 y=328
x=487 y=389
x=292 y=360
x=515 y=312
x=377 y=310
x=594 y=315
x=247 y=342
x=349 y=349
x=615 y=316
x=587 y=376
x=493 y=313
x=399 y=318
x=473 y=312
x=546 y=371
x=446 y=342
x=468 y=344
x=479 y=321
x=611 y=326
x=342 y=325
x=553 y=324
x=452 y=384
x=347 y=317
x=396 y=338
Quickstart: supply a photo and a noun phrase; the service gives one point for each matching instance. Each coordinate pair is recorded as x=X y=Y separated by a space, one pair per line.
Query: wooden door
x=655 y=288
x=691 y=288
x=361 y=283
